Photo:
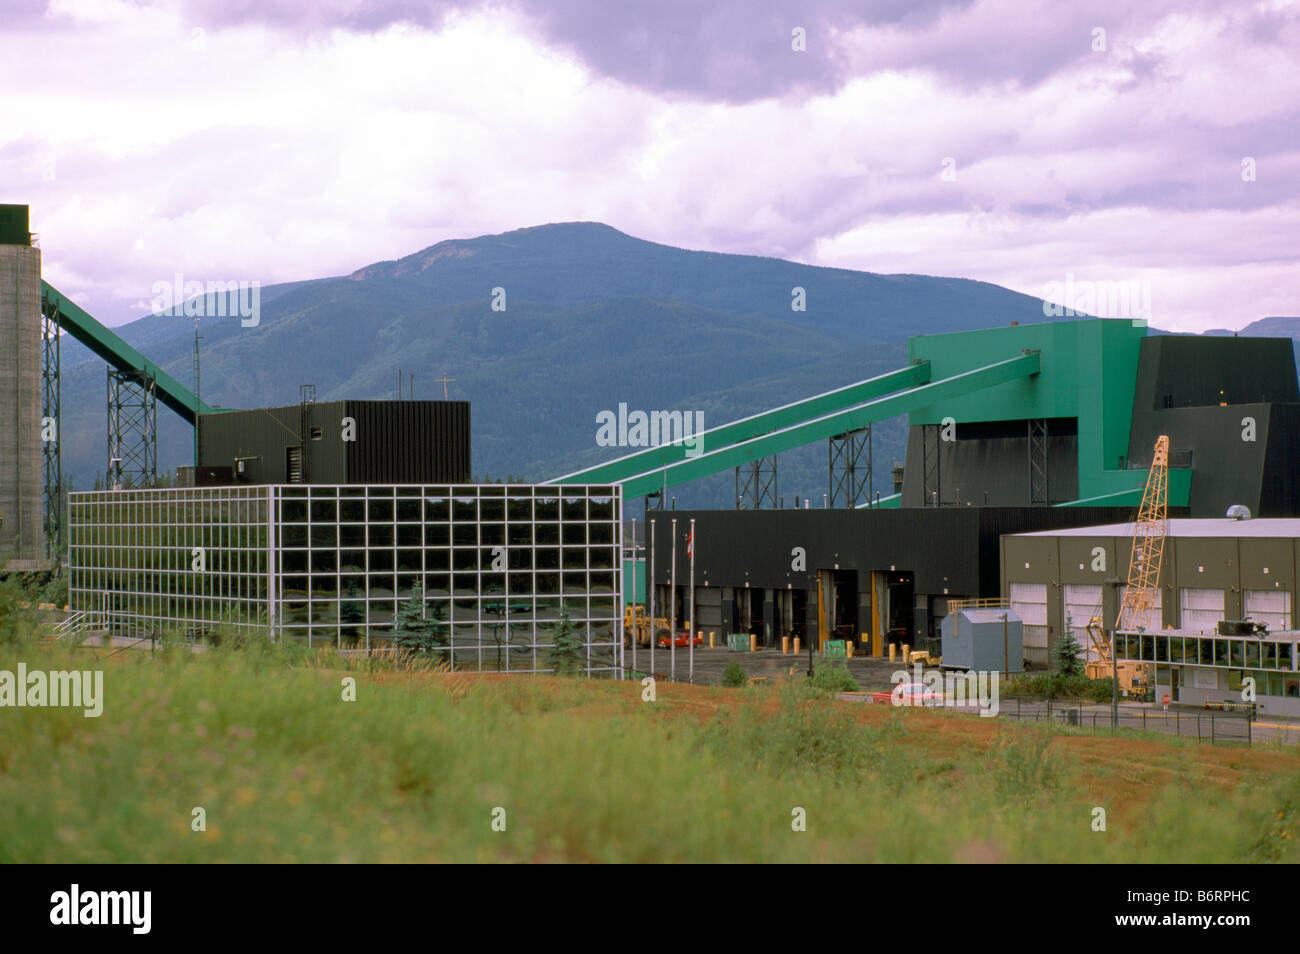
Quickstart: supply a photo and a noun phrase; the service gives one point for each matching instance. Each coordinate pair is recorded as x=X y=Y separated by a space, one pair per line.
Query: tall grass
x=261 y=739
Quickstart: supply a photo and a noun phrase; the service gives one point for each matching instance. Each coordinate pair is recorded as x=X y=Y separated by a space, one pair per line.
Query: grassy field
x=286 y=770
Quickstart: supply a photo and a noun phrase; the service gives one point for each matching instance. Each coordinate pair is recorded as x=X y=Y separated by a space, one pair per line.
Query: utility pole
x=1113 y=583
x=1006 y=663
x=1114 y=683
x=672 y=613
x=444 y=379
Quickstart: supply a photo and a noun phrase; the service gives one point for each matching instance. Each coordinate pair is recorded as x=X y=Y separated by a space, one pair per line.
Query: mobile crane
x=1143 y=587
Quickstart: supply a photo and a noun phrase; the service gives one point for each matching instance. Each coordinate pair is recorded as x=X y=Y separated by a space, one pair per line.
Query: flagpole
x=650 y=596
x=633 y=600
x=672 y=614
x=690 y=548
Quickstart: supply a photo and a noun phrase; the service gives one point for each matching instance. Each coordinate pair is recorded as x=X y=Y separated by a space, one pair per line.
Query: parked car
x=910 y=694
x=683 y=640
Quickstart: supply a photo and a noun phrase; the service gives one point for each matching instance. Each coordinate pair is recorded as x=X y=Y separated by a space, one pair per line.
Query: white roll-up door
x=1201 y=609
x=1269 y=606
x=1029 y=602
x=1082 y=603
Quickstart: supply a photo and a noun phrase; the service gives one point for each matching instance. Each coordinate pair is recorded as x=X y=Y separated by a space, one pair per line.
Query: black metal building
x=842 y=573
x=338 y=442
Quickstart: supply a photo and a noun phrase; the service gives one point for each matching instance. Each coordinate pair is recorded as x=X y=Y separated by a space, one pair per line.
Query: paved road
x=875 y=675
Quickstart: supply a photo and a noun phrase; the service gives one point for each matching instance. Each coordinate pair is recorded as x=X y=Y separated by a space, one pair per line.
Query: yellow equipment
x=635 y=621
x=1143 y=587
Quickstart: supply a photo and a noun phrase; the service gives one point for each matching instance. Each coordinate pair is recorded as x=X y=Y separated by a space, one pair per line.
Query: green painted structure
x=109 y=346
x=1082 y=369
x=749 y=428
x=1089 y=372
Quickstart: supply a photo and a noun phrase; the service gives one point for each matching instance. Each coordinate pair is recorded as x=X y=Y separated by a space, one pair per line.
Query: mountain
x=593 y=317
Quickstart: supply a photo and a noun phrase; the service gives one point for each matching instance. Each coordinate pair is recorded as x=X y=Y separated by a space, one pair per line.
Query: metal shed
x=983 y=639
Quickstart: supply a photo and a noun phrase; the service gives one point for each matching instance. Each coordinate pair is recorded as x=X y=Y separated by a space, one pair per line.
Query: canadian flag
x=690 y=544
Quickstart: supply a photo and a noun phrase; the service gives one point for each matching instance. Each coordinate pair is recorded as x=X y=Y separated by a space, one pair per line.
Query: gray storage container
x=973 y=639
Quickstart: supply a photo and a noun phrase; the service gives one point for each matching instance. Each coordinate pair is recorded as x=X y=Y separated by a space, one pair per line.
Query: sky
x=1026 y=143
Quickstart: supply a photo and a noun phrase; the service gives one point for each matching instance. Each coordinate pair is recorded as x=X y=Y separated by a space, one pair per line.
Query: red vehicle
x=683 y=640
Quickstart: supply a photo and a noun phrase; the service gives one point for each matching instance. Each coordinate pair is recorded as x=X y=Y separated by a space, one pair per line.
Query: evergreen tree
x=352 y=611
x=567 y=654
x=1067 y=655
x=420 y=628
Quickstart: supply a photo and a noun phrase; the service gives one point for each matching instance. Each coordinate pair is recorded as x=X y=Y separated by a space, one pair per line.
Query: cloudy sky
x=1013 y=141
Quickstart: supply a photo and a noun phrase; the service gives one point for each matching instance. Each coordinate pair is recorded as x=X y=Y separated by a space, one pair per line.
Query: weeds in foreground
x=263 y=737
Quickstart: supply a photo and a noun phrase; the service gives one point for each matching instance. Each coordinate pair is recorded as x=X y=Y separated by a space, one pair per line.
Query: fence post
x=1211 y=726
x=1250 y=731
x=1178 y=723
x=1144 y=720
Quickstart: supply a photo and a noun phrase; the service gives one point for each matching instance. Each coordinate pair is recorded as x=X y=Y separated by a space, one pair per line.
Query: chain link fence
x=1204 y=726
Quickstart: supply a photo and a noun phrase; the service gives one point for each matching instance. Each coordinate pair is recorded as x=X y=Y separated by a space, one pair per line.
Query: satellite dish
x=1238 y=512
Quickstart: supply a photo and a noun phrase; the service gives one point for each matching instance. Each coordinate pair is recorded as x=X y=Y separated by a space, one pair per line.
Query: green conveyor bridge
x=794 y=425
x=109 y=346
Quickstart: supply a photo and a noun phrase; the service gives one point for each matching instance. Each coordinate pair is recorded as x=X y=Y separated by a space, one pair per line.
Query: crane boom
x=1143 y=588
x=1148 y=544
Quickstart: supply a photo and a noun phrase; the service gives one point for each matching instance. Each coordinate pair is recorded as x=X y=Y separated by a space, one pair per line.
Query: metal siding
x=952 y=551
x=1265 y=563
x=1201 y=562
x=735 y=547
x=397 y=442
x=1280 y=490
x=988 y=464
x=264 y=432
x=1193 y=371
x=410 y=442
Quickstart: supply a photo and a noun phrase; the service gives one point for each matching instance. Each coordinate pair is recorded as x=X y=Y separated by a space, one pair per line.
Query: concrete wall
x=21 y=461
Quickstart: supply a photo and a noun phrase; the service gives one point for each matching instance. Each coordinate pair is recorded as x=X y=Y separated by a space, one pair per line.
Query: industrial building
x=493 y=565
x=870 y=575
x=1206 y=669
x=1017 y=429
x=322 y=522
x=1020 y=437
x=1213 y=570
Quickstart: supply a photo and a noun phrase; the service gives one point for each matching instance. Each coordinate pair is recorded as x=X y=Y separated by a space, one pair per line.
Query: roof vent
x=1238 y=512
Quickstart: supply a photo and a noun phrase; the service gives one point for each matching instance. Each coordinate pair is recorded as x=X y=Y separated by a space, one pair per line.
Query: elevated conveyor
x=795 y=425
x=107 y=345
x=747 y=428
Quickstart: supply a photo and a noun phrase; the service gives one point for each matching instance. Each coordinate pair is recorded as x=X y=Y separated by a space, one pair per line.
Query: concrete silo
x=21 y=460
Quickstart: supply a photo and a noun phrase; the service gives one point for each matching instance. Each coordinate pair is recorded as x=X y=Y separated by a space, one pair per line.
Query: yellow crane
x=1143 y=588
